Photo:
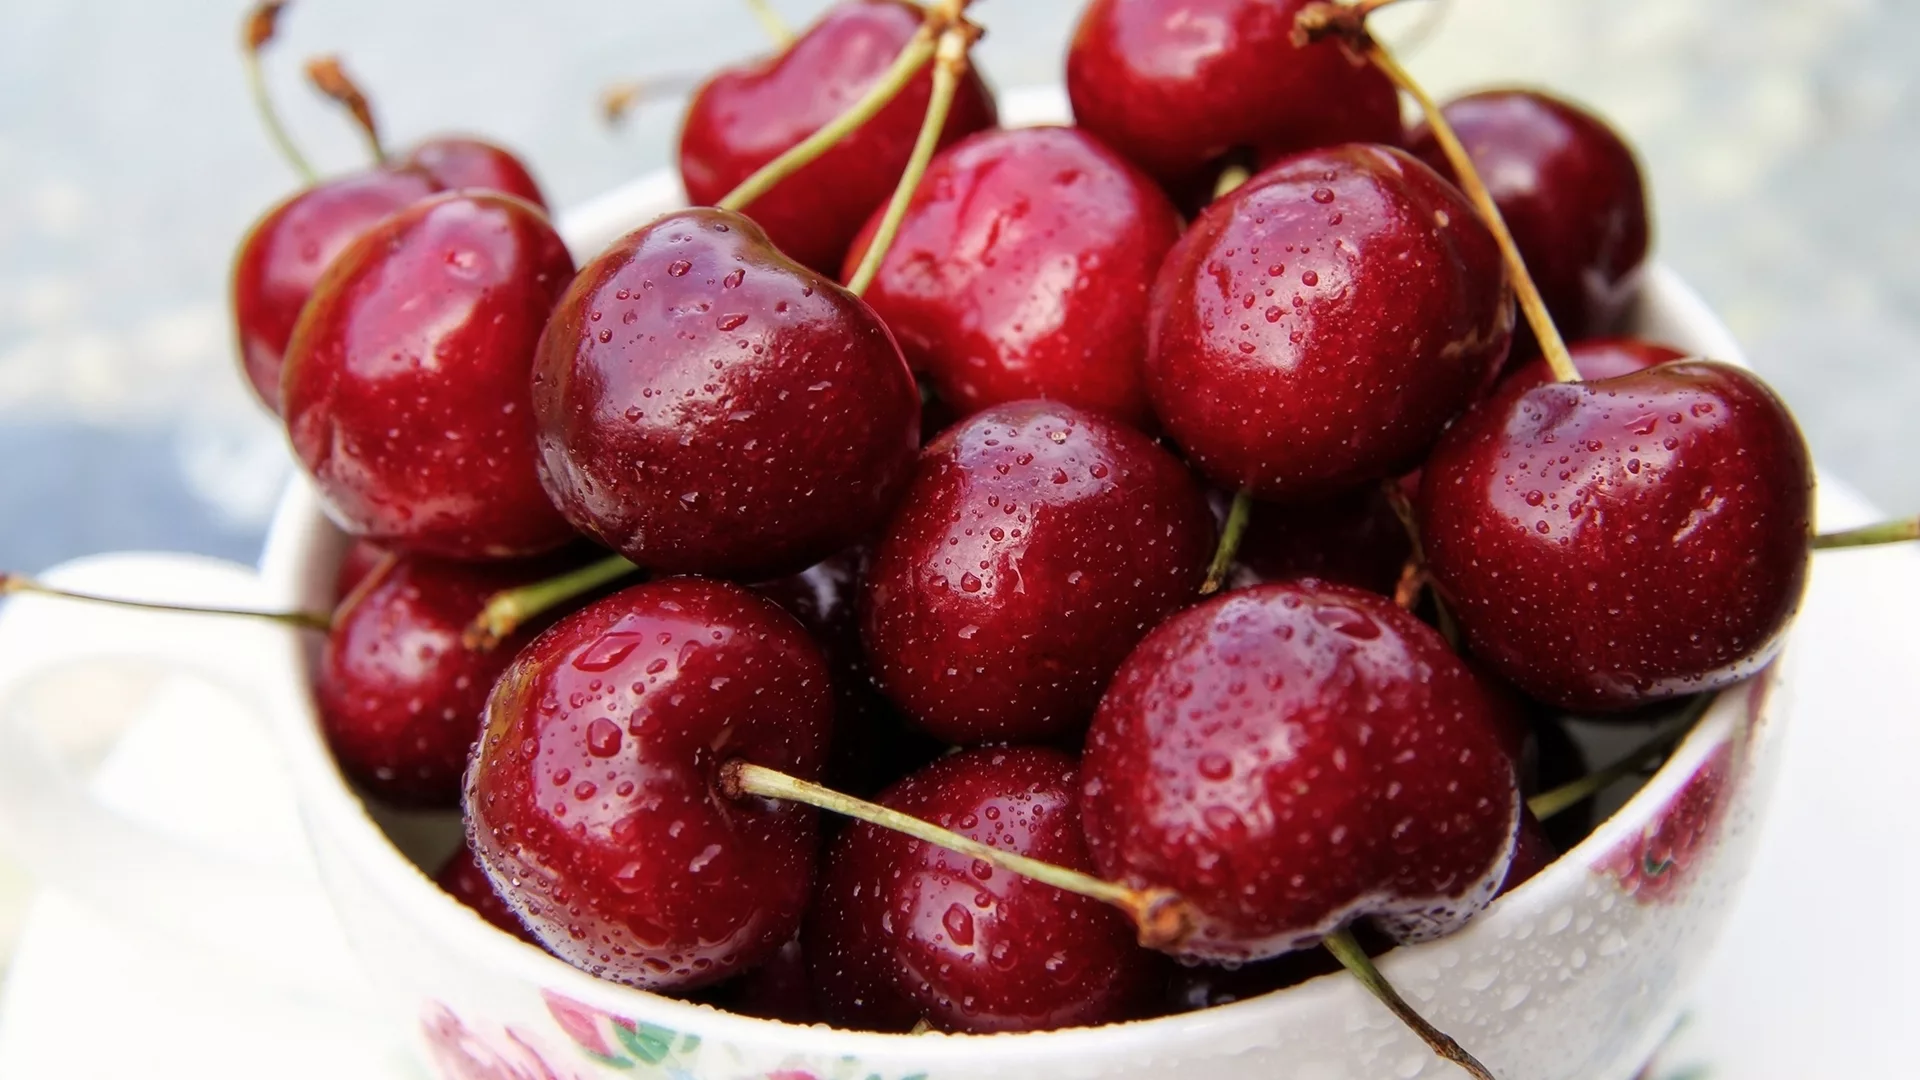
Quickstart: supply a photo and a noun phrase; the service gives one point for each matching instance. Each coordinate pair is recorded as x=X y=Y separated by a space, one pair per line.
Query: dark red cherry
x=1570 y=191
x=1021 y=271
x=1177 y=84
x=593 y=794
x=1318 y=327
x=1036 y=545
x=461 y=878
x=707 y=405
x=1611 y=543
x=1351 y=539
x=1596 y=359
x=359 y=560
x=905 y=931
x=779 y=989
x=406 y=385
x=459 y=162
x=1292 y=757
x=399 y=694
x=285 y=252
x=746 y=116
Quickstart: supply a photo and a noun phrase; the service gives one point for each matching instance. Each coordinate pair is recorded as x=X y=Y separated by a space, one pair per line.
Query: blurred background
x=1780 y=137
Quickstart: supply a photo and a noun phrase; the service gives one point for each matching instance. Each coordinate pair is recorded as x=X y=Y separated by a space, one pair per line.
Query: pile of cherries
x=1109 y=526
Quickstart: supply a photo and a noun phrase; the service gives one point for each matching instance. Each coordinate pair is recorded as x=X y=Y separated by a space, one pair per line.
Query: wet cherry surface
x=1021 y=270
x=406 y=387
x=707 y=405
x=904 y=931
x=744 y=117
x=1295 y=756
x=1607 y=544
x=462 y=878
x=594 y=788
x=1318 y=327
x=461 y=161
x=1036 y=545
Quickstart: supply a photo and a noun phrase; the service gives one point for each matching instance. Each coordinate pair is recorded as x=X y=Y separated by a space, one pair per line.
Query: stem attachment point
x=508 y=610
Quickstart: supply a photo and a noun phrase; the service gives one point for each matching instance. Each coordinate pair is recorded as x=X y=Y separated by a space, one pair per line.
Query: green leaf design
x=647 y=1042
x=614 y=1061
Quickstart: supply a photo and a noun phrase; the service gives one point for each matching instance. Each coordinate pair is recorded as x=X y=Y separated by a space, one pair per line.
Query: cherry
x=1351 y=539
x=1595 y=359
x=1317 y=328
x=399 y=694
x=904 y=931
x=744 y=117
x=457 y=162
x=1606 y=544
x=1570 y=191
x=1036 y=545
x=1021 y=270
x=1291 y=757
x=1176 y=85
x=707 y=405
x=462 y=878
x=592 y=793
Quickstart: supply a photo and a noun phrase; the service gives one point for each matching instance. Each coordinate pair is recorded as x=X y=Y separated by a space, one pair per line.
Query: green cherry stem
x=771 y=22
x=1355 y=959
x=330 y=78
x=1161 y=916
x=1555 y=800
x=509 y=609
x=255 y=34
x=12 y=584
x=1234 y=531
x=1414 y=577
x=1884 y=532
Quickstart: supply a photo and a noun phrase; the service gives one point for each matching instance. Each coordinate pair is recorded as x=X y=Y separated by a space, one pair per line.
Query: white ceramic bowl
x=1577 y=974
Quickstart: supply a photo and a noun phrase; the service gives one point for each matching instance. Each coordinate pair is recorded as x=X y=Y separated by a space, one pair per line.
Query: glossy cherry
x=1292 y=757
x=593 y=796
x=1021 y=271
x=1595 y=359
x=1176 y=85
x=1352 y=539
x=406 y=385
x=1570 y=191
x=1035 y=546
x=904 y=931
x=399 y=694
x=1611 y=543
x=746 y=116
x=707 y=405
x=458 y=162
x=1318 y=327
x=462 y=878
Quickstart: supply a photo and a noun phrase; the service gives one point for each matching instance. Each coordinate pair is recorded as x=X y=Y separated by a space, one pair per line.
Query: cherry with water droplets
x=1036 y=545
x=462 y=878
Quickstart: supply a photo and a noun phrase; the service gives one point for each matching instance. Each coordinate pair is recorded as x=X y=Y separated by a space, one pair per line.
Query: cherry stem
x=1234 y=531
x=619 y=100
x=1884 y=532
x=1555 y=800
x=509 y=609
x=1161 y=916
x=1231 y=177
x=949 y=66
x=331 y=79
x=1355 y=959
x=255 y=33
x=1349 y=23
x=11 y=584
x=1414 y=576
x=771 y=22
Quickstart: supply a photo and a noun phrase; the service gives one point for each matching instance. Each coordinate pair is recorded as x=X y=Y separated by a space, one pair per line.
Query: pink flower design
x=459 y=1053
x=1655 y=865
x=581 y=1022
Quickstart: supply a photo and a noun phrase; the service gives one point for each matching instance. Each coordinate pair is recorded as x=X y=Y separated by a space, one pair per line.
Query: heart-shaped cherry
x=904 y=931
x=707 y=405
x=1036 y=545
x=744 y=117
x=591 y=799
x=406 y=385
x=1317 y=328
x=1570 y=191
x=1176 y=85
x=462 y=878
x=1021 y=270
x=1292 y=757
x=1607 y=544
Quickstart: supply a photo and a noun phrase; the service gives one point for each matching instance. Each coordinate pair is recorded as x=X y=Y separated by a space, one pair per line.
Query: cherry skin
x=1352 y=539
x=1175 y=85
x=903 y=930
x=1570 y=191
x=1295 y=756
x=284 y=254
x=356 y=563
x=457 y=162
x=746 y=116
x=406 y=384
x=707 y=405
x=593 y=798
x=1607 y=544
x=1036 y=545
x=1317 y=328
x=399 y=694
x=1021 y=271
x=462 y=878
x=1596 y=359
